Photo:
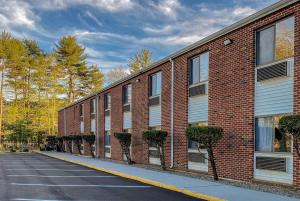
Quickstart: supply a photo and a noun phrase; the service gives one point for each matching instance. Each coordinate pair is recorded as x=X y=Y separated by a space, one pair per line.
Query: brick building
x=242 y=78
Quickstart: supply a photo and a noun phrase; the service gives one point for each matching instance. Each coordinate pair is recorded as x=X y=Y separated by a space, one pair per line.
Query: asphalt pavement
x=34 y=177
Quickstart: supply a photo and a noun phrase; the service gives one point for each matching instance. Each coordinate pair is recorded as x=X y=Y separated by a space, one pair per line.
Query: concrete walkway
x=209 y=188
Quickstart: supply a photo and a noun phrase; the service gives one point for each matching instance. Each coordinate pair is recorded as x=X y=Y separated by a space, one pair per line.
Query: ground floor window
x=107 y=144
x=197 y=158
x=273 y=160
x=153 y=150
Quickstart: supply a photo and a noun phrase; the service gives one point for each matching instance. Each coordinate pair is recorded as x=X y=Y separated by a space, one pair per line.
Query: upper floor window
x=107 y=101
x=127 y=94
x=276 y=42
x=93 y=106
x=155 y=84
x=81 y=110
x=198 y=68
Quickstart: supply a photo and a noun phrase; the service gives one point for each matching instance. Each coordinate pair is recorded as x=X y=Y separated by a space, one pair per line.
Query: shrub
x=60 y=141
x=291 y=125
x=125 y=142
x=68 y=140
x=207 y=136
x=90 y=139
x=78 y=141
x=157 y=138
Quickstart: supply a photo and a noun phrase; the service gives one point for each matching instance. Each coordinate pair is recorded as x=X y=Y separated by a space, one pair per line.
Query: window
x=199 y=68
x=155 y=84
x=107 y=101
x=268 y=137
x=107 y=138
x=127 y=94
x=81 y=110
x=93 y=106
x=276 y=42
x=127 y=130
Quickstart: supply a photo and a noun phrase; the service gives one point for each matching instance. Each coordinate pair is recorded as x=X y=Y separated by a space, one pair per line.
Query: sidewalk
x=208 y=188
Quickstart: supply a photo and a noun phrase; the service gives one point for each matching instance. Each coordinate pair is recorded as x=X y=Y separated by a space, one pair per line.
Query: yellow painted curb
x=143 y=180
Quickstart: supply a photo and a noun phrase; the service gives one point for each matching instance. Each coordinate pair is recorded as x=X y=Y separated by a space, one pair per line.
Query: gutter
x=172 y=113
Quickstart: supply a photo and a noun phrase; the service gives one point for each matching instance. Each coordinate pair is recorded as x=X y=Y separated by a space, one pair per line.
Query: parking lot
x=34 y=177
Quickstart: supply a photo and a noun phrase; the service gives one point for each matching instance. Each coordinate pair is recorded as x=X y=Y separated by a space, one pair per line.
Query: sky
x=113 y=30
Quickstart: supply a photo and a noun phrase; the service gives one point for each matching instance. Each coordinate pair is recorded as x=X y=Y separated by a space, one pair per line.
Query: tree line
x=35 y=84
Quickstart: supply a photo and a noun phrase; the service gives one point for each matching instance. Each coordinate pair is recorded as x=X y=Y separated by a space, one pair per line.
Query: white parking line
x=74 y=185
x=42 y=165
x=71 y=176
x=57 y=170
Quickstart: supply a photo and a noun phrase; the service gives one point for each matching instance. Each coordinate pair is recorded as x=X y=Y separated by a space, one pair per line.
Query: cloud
x=107 y=5
x=15 y=14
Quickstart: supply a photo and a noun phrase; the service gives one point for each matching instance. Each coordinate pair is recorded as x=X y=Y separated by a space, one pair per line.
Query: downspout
x=97 y=127
x=172 y=113
x=65 y=127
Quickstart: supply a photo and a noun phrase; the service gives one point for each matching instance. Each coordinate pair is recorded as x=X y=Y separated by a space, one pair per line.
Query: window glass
x=107 y=138
x=127 y=94
x=285 y=39
x=81 y=110
x=199 y=68
x=155 y=84
x=266 y=45
x=107 y=102
x=276 y=42
x=204 y=62
x=195 y=70
x=268 y=137
x=93 y=106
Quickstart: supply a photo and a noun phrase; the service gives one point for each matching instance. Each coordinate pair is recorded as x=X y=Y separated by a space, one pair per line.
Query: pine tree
x=70 y=56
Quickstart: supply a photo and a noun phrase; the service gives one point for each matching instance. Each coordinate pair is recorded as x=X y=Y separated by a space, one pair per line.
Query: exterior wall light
x=227 y=42
x=137 y=80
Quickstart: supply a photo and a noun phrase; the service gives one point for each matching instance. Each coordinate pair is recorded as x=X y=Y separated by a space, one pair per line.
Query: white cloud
x=108 y=5
x=17 y=14
x=94 y=18
x=168 y=7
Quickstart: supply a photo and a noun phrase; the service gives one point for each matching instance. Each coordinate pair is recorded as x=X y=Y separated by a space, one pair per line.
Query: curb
x=143 y=180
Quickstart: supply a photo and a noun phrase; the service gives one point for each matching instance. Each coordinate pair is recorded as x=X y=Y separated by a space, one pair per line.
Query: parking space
x=34 y=177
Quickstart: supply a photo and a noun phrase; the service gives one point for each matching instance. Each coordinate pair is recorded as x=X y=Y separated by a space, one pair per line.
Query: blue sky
x=113 y=30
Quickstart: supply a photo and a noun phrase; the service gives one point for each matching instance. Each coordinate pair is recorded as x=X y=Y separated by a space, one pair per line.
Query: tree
x=70 y=56
x=95 y=79
x=157 y=138
x=290 y=125
x=125 y=142
x=116 y=74
x=140 y=60
x=90 y=139
x=206 y=136
x=20 y=132
x=4 y=41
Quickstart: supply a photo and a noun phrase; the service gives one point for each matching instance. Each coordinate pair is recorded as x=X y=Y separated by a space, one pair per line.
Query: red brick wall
x=231 y=103
x=297 y=88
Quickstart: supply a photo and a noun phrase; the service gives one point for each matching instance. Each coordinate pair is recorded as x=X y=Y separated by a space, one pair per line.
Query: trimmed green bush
x=125 y=142
x=90 y=139
x=78 y=141
x=59 y=143
x=291 y=125
x=206 y=136
x=157 y=138
x=68 y=140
